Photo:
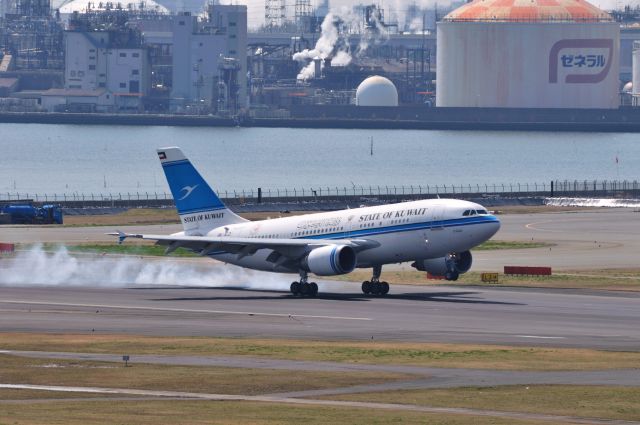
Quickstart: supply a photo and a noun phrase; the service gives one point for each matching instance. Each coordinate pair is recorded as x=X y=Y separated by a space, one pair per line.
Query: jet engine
x=449 y=266
x=331 y=260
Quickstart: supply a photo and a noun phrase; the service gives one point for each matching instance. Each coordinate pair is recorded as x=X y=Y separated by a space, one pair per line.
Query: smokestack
x=317 y=67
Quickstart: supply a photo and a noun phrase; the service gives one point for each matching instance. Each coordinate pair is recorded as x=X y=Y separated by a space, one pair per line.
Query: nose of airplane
x=492 y=227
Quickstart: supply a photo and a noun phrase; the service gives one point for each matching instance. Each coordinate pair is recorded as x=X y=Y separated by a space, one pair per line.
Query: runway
x=436 y=314
x=594 y=239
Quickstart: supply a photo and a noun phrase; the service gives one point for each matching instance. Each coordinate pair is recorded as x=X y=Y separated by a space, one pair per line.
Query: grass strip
x=492 y=245
x=136 y=249
x=583 y=401
x=186 y=412
x=21 y=394
x=218 y=380
x=369 y=352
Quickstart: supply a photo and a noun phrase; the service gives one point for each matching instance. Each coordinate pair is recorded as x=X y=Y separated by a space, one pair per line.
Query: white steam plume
x=333 y=42
x=323 y=49
x=39 y=267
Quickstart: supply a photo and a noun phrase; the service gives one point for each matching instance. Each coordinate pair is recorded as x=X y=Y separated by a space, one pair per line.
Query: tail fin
x=198 y=206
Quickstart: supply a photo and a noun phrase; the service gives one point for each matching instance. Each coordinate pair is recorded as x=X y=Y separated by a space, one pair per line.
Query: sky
x=256 y=7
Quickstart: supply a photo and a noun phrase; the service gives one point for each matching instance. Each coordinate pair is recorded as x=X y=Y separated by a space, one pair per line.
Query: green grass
x=584 y=401
x=492 y=245
x=187 y=412
x=39 y=371
x=15 y=394
x=129 y=249
x=372 y=352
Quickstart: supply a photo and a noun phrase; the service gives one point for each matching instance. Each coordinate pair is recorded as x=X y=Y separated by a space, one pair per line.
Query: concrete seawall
x=349 y=116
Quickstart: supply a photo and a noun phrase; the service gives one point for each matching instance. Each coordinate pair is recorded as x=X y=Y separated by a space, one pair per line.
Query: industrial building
x=113 y=60
x=210 y=60
x=149 y=57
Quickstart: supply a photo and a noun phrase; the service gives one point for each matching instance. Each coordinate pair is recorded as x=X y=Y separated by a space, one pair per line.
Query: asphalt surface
x=436 y=314
x=593 y=239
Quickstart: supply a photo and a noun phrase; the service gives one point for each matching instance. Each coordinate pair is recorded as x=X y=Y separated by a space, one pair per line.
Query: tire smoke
x=40 y=267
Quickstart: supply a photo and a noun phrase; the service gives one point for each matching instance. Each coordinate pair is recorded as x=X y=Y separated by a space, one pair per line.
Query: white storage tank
x=528 y=54
x=635 y=70
x=377 y=91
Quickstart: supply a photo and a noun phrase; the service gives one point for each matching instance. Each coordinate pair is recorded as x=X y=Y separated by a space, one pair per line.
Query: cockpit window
x=483 y=212
x=466 y=213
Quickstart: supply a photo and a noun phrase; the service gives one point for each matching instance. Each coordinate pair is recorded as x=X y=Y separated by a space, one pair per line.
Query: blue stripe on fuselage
x=404 y=228
x=458 y=222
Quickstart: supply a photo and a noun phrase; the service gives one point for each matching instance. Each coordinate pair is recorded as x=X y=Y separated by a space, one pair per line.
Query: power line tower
x=303 y=13
x=274 y=13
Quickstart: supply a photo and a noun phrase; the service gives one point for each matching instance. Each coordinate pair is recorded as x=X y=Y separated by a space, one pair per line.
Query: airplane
x=435 y=234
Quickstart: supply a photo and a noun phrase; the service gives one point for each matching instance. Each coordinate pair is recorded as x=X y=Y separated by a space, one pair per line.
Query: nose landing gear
x=452 y=269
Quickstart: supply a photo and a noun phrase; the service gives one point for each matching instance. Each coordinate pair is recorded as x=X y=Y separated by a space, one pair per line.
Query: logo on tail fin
x=188 y=190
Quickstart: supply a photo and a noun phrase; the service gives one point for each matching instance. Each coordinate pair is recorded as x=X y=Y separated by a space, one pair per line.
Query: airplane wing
x=207 y=245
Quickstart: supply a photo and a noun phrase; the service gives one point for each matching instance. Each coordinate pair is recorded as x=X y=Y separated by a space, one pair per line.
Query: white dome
x=376 y=91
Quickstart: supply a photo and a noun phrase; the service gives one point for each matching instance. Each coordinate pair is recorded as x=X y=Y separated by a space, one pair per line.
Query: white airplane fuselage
x=408 y=231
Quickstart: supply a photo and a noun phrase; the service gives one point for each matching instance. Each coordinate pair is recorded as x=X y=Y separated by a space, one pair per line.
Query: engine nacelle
x=331 y=260
x=438 y=266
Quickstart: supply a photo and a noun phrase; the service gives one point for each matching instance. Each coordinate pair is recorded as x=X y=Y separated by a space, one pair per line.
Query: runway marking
x=532 y=226
x=540 y=337
x=186 y=310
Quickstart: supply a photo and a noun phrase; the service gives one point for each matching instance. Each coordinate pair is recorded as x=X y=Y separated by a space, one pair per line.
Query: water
x=55 y=159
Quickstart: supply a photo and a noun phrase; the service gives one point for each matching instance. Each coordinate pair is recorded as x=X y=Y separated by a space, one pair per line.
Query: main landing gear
x=375 y=287
x=304 y=288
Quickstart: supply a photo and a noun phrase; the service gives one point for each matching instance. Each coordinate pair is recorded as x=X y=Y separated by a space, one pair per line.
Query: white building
x=96 y=60
x=75 y=100
x=209 y=57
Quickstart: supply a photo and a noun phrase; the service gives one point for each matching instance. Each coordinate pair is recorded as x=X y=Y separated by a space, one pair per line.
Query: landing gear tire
x=304 y=289
x=452 y=276
x=366 y=287
x=384 y=288
x=375 y=286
